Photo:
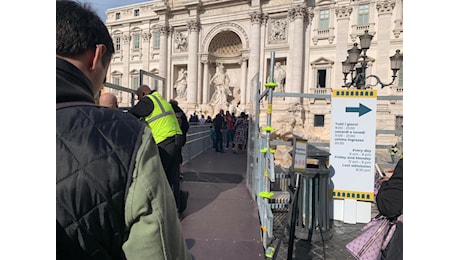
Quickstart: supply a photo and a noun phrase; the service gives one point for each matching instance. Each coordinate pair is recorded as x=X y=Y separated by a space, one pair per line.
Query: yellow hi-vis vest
x=394 y=150
x=162 y=121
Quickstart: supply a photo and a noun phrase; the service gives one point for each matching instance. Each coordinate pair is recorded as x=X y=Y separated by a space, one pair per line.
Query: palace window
x=116 y=77
x=117 y=44
x=321 y=78
x=135 y=81
x=363 y=14
x=318 y=121
x=136 y=41
x=116 y=80
x=117 y=16
x=136 y=12
x=324 y=19
x=156 y=40
x=322 y=71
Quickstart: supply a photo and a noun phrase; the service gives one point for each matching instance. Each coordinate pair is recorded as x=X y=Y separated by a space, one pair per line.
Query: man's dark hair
x=78 y=29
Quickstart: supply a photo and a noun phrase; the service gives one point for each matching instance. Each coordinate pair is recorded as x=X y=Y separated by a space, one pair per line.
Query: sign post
x=352 y=148
x=299 y=163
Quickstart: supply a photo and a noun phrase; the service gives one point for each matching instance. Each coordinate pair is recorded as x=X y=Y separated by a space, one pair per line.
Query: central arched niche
x=225 y=44
x=225 y=49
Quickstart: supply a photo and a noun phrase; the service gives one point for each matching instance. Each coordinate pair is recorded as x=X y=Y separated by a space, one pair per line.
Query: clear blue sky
x=102 y=5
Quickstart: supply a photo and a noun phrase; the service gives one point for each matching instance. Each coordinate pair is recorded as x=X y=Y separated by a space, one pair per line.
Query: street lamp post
x=358 y=79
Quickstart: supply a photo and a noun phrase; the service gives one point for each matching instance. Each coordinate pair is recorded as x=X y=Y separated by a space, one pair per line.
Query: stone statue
x=279 y=76
x=221 y=83
x=181 y=84
x=234 y=104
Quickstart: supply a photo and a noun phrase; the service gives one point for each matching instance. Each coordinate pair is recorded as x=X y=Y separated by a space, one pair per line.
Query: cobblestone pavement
x=333 y=248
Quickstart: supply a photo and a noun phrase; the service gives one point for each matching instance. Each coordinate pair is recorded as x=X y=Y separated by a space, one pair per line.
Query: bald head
x=142 y=91
x=108 y=100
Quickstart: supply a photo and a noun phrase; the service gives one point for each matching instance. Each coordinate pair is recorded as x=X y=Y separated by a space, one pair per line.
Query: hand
x=381 y=180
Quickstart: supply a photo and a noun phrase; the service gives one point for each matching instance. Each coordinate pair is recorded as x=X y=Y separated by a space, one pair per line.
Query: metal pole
x=293 y=217
x=141 y=76
x=272 y=66
x=364 y=65
x=269 y=121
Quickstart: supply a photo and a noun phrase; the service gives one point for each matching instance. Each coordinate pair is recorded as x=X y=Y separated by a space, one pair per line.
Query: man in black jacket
x=184 y=126
x=160 y=117
x=112 y=195
x=182 y=118
x=218 y=127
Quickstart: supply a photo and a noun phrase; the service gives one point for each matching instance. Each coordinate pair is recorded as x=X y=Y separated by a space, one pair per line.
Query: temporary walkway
x=222 y=222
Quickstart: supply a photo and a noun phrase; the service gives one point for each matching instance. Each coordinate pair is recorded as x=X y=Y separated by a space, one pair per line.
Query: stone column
x=163 y=64
x=125 y=52
x=205 y=62
x=398 y=18
x=254 y=54
x=310 y=14
x=244 y=71
x=343 y=19
x=262 y=60
x=146 y=37
x=192 y=79
x=384 y=50
x=297 y=15
x=199 y=86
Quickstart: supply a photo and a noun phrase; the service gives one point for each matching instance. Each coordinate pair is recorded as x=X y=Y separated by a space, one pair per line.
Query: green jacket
x=150 y=211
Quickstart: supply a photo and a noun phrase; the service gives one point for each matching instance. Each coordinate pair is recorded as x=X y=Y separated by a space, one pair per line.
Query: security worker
x=161 y=119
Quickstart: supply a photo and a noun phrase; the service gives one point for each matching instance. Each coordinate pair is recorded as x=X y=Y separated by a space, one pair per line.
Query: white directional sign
x=352 y=147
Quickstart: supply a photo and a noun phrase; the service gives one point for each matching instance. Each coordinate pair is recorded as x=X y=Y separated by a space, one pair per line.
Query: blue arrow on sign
x=362 y=109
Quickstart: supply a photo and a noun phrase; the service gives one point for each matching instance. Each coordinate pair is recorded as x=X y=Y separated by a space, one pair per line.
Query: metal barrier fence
x=198 y=141
x=267 y=184
x=198 y=136
x=153 y=81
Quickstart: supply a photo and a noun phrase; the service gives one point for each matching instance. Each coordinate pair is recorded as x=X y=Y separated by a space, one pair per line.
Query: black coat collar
x=71 y=83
